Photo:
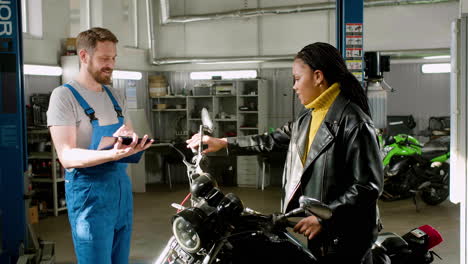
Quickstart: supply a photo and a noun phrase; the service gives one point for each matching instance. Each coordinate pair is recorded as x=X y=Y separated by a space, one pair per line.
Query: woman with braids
x=333 y=156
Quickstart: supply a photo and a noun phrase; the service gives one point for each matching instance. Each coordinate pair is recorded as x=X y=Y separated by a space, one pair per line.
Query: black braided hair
x=326 y=58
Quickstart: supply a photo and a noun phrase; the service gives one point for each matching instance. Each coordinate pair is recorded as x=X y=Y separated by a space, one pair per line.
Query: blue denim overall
x=99 y=200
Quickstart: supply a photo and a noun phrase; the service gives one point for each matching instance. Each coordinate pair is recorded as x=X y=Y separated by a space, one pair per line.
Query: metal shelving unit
x=163 y=119
x=169 y=110
x=54 y=179
x=225 y=120
x=47 y=180
x=248 y=92
x=40 y=155
x=252 y=121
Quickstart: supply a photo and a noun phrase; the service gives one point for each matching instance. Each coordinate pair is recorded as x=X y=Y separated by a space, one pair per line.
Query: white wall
x=272 y=35
x=109 y=14
x=418 y=94
x=56 y=27
x=409 y=26
x=385 y=28
x=46 y=50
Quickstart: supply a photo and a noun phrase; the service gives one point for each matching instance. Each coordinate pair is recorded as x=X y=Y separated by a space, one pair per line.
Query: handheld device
x=108 y=142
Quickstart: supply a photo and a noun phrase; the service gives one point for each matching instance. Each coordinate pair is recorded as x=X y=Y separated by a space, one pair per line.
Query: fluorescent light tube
x=42 y=70
x=244 y=74
x=127 y=75
x=436 y=68
x=437 y=57
x=231 y=62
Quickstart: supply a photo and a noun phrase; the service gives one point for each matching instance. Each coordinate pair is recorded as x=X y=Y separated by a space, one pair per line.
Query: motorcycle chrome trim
x=315 y=207
x=162 y=257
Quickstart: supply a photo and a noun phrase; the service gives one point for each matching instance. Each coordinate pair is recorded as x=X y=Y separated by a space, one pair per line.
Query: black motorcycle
x=217 y=228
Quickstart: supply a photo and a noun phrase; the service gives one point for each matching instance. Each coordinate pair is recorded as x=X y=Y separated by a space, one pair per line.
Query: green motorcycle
x=411 y=169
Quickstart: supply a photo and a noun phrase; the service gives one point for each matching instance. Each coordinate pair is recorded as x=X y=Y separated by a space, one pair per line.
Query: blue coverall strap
x=117 y=107
x=89 y=111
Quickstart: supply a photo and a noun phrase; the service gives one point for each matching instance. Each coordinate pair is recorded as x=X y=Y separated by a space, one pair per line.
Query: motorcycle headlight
x=187 y=227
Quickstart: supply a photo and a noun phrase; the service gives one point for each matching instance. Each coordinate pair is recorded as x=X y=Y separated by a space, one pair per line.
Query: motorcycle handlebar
x=407 y=143
x=291 y=224
x=416 y=145
x=281 y=219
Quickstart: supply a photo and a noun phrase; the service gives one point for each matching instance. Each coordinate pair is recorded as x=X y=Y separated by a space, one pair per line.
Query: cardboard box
x=33 y=215
x=70 y=47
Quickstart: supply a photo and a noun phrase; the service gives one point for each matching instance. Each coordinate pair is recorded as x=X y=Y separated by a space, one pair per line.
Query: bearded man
x=97 y=189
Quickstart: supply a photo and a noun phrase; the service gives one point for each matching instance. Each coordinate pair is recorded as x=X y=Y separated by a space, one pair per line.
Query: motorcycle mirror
x=206 y=121
x=315 y=207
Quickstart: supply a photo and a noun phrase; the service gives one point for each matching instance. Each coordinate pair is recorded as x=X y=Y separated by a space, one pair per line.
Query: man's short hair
x=88 y=39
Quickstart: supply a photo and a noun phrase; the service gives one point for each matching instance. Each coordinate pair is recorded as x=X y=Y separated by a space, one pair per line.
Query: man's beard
x=98 y=74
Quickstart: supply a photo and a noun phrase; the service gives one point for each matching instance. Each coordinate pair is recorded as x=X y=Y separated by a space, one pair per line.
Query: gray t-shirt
x=64 y=110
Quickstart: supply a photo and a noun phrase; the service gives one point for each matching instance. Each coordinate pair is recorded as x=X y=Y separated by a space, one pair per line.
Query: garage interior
x=172 y=57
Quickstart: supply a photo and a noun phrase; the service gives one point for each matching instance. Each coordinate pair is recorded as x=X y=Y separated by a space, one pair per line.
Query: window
x=31 y=18
x=75 y=18
x=130 y=23
x=24 y=16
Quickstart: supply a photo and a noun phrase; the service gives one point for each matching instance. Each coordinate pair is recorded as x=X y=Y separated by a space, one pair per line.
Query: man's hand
x=121 y=151
x=124 y=131
x=214 y=144
x=309 y=227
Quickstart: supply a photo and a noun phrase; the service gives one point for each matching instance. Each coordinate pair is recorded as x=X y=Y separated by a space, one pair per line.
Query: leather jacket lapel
x=303 y=133
x=322 y=139
x=327 y=130
x=296 y=151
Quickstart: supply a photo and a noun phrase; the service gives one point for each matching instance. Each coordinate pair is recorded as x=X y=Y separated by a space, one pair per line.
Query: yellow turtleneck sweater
x=320 y=108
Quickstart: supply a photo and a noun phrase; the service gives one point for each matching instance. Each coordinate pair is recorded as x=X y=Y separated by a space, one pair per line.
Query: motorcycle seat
x=436 y=147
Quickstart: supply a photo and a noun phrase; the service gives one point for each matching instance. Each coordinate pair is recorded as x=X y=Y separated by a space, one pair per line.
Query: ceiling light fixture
x=42 y=70
x=229 y=75
x=436 y=68
x=437 y=57
x=127 y=75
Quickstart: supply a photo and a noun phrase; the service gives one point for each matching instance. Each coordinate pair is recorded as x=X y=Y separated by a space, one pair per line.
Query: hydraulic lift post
x=350 y=34
x=12 y=134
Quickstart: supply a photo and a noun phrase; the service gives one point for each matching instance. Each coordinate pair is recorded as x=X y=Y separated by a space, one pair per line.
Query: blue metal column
x=12 y=133
x=349 y=34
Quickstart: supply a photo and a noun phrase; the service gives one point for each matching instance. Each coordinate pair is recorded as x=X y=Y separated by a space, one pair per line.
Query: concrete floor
x=152 y=216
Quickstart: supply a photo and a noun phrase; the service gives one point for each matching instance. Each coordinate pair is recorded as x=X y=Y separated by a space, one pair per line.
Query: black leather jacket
x=343 y=169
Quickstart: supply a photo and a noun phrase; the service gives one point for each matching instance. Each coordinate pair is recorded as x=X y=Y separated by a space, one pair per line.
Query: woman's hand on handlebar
x=214 y=144
x=309 y=227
